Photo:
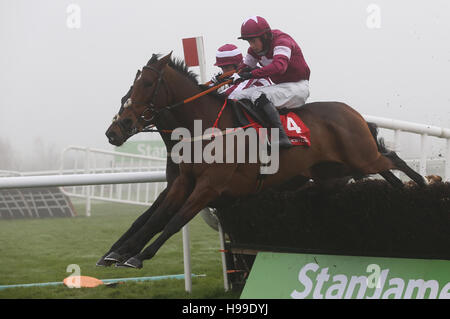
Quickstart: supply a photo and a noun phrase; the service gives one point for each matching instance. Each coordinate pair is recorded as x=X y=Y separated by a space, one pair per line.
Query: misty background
x=61 y=84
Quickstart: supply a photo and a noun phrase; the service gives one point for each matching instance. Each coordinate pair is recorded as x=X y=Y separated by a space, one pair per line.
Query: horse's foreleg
x=200 y=197
x=138 y=223
x=175 y=198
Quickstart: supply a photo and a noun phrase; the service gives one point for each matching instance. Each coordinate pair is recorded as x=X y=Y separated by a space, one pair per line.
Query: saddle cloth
x=294 y=127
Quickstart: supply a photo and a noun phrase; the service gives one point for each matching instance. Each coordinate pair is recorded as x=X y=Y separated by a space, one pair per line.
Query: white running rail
x=96 y=161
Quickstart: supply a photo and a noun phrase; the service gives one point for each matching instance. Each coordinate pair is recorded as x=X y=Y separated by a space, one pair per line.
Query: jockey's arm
x=279 y=65
x=249 y=61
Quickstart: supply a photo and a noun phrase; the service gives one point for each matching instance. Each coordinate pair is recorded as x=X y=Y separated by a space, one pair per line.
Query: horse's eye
x=115 y=118
x=127 y=103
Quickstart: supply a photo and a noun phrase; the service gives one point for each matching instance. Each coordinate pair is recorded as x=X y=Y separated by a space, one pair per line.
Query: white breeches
x=283 y=95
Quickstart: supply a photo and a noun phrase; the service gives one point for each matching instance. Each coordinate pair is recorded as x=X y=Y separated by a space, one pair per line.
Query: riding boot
x=274 y=119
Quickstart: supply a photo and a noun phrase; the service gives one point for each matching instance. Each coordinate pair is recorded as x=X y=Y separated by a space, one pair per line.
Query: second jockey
x=229 y=58
x=282 y=60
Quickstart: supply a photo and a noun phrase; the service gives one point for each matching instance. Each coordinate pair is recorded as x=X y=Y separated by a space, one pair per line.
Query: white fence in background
x=76 y=159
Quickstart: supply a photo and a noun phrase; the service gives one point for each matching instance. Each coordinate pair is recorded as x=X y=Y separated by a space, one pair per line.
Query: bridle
x=150 y=108
x=156 y=112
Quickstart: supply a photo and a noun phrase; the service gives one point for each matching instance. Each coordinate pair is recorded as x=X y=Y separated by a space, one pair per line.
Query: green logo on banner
x=145 y=148
x=300 y=276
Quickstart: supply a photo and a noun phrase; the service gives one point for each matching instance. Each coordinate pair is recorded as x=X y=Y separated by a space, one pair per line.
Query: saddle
x=247 y=114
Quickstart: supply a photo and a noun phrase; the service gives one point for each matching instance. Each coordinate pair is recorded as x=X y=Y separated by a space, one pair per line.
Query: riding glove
x=241 y=77
x=215 y=79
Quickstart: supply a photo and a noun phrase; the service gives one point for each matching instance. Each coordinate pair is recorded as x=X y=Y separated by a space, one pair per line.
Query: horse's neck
x=165 y=125
x=205 y=108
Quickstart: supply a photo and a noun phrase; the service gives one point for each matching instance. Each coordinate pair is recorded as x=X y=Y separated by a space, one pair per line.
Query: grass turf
x=39 y=250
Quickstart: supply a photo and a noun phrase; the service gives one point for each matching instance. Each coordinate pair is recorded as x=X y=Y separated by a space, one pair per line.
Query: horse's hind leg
x=402 y=166
x=397 y=162
x=138 y=223
x=392 y=179
x=388 y=161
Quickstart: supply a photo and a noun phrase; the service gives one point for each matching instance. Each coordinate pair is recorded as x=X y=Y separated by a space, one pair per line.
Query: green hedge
x=367 y=218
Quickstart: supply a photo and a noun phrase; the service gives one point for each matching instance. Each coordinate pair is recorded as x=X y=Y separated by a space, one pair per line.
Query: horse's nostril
x=112 y=136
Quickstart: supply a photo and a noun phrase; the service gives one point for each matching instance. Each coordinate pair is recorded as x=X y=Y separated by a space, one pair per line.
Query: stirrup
x=285 y=143
x=283 y=139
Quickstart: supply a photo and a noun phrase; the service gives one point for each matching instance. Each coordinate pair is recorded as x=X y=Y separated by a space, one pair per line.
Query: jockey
x=282 y=60
x=229 y=58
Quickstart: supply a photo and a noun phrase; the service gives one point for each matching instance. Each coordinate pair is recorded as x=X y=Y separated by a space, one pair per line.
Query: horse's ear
x=166 y=59
x=137 y=74
x=153 y=59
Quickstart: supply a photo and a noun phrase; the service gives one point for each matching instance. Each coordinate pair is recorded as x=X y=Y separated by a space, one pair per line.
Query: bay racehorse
x=343 y=144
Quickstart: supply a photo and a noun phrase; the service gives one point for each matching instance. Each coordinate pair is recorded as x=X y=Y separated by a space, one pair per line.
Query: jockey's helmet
x=254 y=27
x=228 y=54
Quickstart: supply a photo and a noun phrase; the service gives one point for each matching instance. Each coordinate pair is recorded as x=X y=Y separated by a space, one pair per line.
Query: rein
x=152 y=109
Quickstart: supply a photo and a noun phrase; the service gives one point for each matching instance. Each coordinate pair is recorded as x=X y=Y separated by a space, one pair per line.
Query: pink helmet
x=228 y=54
x=254 y=27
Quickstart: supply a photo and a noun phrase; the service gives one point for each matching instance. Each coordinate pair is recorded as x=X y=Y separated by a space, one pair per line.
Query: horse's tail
x=380 y=141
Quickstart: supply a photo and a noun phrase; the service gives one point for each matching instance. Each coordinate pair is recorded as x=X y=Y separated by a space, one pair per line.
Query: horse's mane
x=180 y=66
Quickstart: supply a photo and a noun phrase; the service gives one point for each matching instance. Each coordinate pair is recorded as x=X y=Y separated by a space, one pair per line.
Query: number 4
x=292 y=126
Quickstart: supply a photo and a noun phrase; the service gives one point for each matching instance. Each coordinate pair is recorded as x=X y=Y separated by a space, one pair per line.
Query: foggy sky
x=64 y=85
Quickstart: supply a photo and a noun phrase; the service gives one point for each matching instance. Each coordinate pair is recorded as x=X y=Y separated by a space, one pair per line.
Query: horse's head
x=140 y=106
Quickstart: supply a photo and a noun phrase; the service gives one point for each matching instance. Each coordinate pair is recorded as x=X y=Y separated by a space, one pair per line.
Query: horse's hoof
x=104 y=263
x=114 y=258
x=134 y=263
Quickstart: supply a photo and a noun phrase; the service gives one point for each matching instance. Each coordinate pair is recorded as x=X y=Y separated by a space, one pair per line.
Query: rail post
x=226 y=284
x=87 y=188
x=423 y=154
x=187 y=259
x=447 y=161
